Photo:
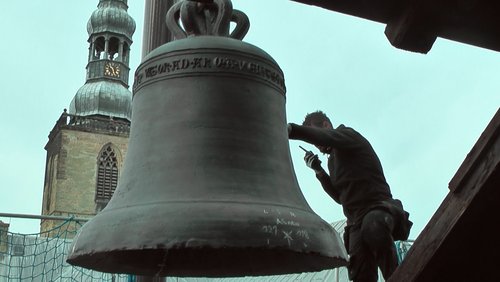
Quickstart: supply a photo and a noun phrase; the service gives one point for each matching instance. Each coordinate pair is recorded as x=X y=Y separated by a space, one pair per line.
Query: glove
x=312 y=161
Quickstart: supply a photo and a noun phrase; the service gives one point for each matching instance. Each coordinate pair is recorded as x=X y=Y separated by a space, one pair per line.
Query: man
x=355 y=180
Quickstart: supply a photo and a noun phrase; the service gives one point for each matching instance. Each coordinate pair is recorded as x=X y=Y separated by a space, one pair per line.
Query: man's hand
x=313 y=161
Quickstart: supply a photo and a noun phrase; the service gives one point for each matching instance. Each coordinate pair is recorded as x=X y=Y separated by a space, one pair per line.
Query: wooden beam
x=414 y=24
x=411 y=30
x=474 y=157
x=482 y=165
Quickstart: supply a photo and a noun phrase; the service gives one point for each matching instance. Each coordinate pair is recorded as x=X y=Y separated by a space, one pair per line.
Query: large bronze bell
x=208 y=187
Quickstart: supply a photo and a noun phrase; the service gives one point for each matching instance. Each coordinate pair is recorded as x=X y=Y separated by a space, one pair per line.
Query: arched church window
x=107 y=176
x=99 y=44
x=114 y=44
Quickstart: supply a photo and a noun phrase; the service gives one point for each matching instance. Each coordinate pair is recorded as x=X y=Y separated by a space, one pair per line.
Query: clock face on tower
x=112 y=69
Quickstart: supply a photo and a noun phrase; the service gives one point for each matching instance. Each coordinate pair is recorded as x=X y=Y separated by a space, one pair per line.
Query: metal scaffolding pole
x=34 y=216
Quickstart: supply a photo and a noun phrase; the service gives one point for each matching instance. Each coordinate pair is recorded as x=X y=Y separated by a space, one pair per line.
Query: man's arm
x=313 y=162
x=340 y=139
x=326 y=182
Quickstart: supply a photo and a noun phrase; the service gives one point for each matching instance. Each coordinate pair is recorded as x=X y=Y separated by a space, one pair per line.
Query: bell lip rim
x=296 y=261
x=325 y=234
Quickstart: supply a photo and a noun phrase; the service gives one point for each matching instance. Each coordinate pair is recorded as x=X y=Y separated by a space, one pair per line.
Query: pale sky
x=421 y=113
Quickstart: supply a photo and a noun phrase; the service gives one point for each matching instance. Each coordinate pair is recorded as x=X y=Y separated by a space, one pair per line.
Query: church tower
x=87 y=145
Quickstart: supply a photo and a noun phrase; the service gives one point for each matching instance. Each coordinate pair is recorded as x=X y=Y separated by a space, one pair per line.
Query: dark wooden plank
x=454 y=206
x=470 y=22
x=475 y=155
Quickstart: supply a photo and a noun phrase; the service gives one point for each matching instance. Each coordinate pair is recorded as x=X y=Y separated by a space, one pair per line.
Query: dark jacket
x=356 y=179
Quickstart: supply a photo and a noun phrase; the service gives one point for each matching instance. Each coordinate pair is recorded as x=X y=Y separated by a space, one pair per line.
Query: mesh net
x=42 y=257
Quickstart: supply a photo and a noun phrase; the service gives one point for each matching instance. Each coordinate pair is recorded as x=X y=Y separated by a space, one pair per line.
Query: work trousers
x=371 y=246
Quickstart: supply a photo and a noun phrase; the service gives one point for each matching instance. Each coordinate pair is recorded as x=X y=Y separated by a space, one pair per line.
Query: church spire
x=105 y=92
